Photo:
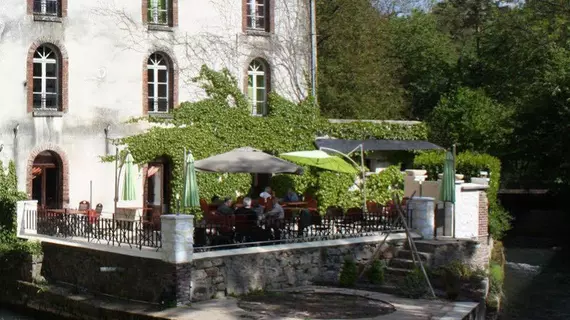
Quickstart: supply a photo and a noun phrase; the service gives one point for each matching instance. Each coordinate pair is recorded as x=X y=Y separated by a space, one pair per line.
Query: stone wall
x=242 y=273
x=144 y=279
x=475 y=253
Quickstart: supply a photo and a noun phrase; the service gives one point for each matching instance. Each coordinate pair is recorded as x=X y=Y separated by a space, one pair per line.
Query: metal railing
x=226 y=232
x=47 y=7
x=109 y=231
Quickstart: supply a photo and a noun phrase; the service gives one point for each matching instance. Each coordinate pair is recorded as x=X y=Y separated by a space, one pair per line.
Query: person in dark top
x=247 y=209
x=291 y=196
x=226 y=207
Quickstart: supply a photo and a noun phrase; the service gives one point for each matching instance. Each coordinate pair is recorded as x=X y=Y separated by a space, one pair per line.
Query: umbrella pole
x=183 y=175
x=116 y=178
x=453 y=203
x=364 y=207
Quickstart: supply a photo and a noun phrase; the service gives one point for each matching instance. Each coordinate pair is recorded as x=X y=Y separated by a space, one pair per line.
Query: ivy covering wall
x=222 y=122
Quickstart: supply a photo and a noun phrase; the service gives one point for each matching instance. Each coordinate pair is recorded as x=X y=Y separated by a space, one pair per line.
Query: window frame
x=43 y=14
x=251 y=16
x=253 y=72
x=154 y=12
x=156 y=67
x=43 y=62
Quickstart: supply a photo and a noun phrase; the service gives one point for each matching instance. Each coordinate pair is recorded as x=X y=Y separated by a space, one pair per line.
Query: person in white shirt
x=266 y=194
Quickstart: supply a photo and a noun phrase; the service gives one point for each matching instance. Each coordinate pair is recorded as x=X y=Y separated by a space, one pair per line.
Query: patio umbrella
x=190 y=198
x=447 y=192
x=246 y=160
x=129 y=192
x=320 y=159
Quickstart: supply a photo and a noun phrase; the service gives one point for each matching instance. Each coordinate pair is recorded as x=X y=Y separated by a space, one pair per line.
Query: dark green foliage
x=376 y=272
x=413 y=285
x=9 y=196
x=470 y=164
x=349 y=273
x=357 y=74
x=470 y=117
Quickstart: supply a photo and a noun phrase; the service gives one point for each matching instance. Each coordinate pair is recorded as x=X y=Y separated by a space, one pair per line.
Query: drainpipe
x=313 y=25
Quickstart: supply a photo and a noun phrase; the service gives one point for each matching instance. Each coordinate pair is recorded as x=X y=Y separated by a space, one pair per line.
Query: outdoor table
x=296 y=204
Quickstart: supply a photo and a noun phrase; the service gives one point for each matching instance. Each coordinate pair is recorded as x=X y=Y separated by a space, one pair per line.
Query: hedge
x=471 y=164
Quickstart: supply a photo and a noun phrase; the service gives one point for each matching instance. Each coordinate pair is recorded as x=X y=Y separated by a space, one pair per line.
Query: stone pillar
x=423 y=215
x=177 y=247
x=26 y=217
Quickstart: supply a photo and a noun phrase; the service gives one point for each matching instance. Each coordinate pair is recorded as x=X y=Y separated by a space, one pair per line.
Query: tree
x=428 y=60
x=472 y=119
x=356 y=75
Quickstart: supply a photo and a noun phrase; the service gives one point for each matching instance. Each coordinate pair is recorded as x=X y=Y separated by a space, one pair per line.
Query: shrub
x=349 y=273
x=382 y=186
x=454 y=274
x=496 y=280
x=413 y=285
x=376 y=272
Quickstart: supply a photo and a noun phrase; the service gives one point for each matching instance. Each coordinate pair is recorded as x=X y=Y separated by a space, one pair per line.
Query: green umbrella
x=190 y=198
x=447 y=192
x=320 y=159
x=129 y=192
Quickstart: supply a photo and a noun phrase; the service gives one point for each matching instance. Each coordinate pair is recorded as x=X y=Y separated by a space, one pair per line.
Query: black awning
x=345 y=146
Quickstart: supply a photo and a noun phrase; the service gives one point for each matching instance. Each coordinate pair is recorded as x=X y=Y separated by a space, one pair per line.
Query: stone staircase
x=402 y=263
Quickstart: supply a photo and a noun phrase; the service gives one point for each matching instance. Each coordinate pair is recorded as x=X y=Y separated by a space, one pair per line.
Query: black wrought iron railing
x=109 y=231
x=223 y=232
x=47 y=7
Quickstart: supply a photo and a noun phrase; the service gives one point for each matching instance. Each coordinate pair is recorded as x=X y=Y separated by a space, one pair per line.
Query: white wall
x=107 y=45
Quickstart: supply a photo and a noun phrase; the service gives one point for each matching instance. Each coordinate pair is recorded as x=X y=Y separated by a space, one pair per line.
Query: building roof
x=376 y=145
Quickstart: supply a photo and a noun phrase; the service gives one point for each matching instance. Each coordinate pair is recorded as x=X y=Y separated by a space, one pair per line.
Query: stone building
x=75 y=71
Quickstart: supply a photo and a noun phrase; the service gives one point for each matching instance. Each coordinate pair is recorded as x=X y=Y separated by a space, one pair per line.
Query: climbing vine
x=222 y=122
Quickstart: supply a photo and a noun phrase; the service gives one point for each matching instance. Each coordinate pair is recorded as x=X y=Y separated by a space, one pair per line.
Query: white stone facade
x=106 y=45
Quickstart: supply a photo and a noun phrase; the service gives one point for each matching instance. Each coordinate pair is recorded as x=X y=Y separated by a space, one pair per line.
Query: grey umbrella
x=246 y=160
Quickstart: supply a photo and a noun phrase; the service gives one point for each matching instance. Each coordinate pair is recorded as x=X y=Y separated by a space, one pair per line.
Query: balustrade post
x=25 y=219
x=177 y=236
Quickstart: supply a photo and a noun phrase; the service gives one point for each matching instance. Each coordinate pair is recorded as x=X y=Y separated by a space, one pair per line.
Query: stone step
x=402 y=263
x=396 y=272
x=407 y=254
x=423 y=246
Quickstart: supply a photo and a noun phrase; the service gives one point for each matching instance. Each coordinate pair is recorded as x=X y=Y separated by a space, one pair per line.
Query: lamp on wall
x=1 y=147
x=16 y=128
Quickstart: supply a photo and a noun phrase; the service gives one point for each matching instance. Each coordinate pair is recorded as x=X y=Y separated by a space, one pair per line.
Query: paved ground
x=406 y=309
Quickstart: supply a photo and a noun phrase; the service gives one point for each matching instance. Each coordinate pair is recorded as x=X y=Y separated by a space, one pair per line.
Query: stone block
x=199 y=275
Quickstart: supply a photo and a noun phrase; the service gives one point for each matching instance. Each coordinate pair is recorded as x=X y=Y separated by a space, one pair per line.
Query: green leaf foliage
x=357 y=74
x=471 y=118
x=471 y=164
x=222 y=122
x=382 y=187
x=349 y=273
x=9 y=196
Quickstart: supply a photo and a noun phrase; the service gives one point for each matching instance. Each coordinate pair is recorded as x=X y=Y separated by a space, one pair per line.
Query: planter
x=415 y=173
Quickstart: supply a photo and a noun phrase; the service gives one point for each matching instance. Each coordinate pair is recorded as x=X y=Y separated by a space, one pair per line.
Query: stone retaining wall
x=136 y=278
x=242 y=273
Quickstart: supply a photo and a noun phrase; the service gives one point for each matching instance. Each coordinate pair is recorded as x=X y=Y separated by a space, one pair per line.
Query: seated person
x=291 y=196
x=226 y=207
x=247 y=209
x=276 y=212
x=268 y=193
x=216 y=201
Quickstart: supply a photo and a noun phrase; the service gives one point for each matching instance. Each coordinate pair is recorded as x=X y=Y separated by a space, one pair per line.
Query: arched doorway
x=157 y=188
x=47 y=180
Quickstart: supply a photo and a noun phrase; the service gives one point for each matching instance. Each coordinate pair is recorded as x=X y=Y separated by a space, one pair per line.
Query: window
x=46 y=78
x=159 y=83
x=257 y=12
x=257 y=86
x=47 y=7
x=159 y=12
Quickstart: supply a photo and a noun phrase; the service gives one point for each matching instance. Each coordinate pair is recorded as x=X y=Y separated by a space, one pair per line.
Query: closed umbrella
x=129 y=192
x=190 y=198
x=320 y=159
x=447 y=192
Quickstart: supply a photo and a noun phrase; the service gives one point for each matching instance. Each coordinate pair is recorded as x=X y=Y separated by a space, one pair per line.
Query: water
x=537 y=280
x=11 y=314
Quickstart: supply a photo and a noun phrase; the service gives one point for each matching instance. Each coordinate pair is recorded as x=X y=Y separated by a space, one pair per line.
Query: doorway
x=158 y=190
x=47 y=180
